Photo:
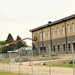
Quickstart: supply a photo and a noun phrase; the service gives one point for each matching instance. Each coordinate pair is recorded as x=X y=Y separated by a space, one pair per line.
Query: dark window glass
x=64 y=47
x=74 y=46
x=69 y=46
x=41 y=49
x=44 y=49
x=54 y=48
x=58 y=48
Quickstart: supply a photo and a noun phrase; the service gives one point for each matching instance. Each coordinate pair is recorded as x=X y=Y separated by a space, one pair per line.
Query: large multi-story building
x=58 y=36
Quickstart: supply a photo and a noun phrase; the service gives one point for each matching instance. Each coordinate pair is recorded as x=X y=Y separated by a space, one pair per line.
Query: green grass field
x=61 y=65
x=8 y=73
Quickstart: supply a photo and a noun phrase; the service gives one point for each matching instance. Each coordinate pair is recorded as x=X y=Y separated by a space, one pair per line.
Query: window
x=63 y=30
x=40 y=49
x=73 y=28
x=64 y=47
x=69 y=46
x=44 y=49
x=40 y=36
x=57 y=32
x=73 y=46
x=68 y=29
x=53 y=32
x=54 y=48
x=58 y=48
x=48 y=34
x=43 y=35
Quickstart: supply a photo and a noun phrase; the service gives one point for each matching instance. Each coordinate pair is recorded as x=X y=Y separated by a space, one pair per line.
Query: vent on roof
x=49 y=22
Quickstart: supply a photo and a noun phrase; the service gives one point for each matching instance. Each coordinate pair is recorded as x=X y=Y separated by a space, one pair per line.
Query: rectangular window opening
x=58 y=48
x=57 y=32
x=44 y=49
x=69 y=46
x=68 y=29
x=63 y=30
x=54 y=48
x=73 y=27
x=40 y=49
x=64 y=47
x=40 y=36
x=73 y=46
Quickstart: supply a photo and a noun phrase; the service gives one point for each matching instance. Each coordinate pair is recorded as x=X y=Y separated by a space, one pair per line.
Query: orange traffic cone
x=20 y=62
x=29 y=60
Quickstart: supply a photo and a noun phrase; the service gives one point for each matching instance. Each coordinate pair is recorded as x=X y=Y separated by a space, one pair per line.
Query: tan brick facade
x=56 y=34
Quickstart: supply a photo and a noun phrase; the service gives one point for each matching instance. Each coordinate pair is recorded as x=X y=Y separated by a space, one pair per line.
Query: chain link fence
x=32 y=62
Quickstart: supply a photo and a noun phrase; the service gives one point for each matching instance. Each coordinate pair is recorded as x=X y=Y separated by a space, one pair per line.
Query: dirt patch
x=38 y=69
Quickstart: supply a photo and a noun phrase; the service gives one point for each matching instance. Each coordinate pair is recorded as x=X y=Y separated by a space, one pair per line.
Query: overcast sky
x=19 y=16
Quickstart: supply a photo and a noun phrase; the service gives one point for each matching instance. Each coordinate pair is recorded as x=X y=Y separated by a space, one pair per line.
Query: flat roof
x=53 y=23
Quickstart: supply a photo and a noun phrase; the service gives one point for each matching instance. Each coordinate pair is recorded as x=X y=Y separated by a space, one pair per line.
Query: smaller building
x=23 y=51
x=13 y=54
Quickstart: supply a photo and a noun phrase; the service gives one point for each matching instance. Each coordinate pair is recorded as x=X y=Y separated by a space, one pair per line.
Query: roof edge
x=55 y=22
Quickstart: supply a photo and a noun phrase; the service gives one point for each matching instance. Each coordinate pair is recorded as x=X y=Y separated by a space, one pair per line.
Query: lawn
x=61 y=65
x=58 y=65
x=8 y=73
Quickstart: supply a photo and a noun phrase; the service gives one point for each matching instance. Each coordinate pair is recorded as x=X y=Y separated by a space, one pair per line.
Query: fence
x=37 y=63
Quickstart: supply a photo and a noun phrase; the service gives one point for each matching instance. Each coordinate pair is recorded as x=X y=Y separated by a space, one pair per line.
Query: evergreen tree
x=9 y=38
x=21 y=43
x=10 y=47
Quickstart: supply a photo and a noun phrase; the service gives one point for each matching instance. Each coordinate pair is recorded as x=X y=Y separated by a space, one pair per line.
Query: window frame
x=44 y=35
x=73 y=27
x=40 y=36
x=69 y=46
x=64 y=47
x=57 y=31
x=53 y=33
x=63 y=30
x=68 y=28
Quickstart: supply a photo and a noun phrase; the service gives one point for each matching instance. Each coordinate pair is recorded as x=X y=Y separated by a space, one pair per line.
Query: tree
x=10 y=47
x=13 y=46
x=9 y=38
x=20 y=44
x=1 y=45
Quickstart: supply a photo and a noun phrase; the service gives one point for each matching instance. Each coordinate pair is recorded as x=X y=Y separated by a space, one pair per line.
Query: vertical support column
x=3 y=60
x=32 y=63
x=49 y=61
x=19 y=61
x=50 y=38
x=73 y=59
x=10 y=62
x=66 y=38
x=42 y=41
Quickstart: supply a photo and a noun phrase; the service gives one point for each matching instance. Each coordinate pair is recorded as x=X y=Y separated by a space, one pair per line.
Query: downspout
x=32 y=38
x=50 y=36
x=42 y=40
x=66 y=37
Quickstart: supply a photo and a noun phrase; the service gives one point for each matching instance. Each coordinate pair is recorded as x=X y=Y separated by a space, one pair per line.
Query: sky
x=19 y=16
